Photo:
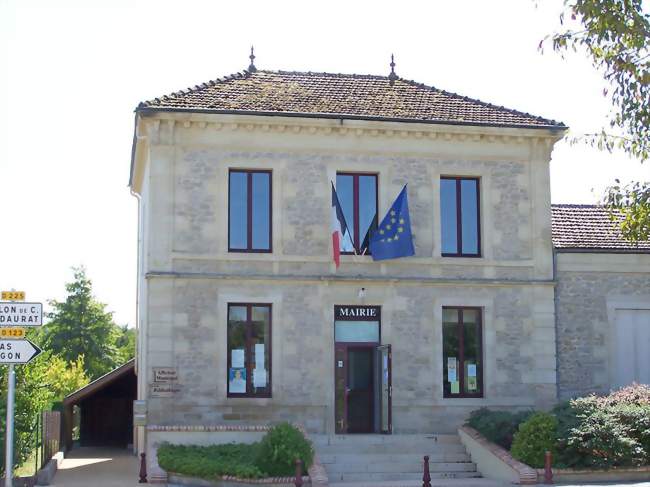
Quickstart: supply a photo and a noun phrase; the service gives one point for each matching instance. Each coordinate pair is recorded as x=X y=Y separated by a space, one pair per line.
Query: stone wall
x=589 y=288
x=519 y=366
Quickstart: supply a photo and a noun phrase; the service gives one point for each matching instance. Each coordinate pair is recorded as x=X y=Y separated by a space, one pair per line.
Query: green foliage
x=497 y=426
x=630 y=207
x=534 y=437
x=607 y=431
x=615 y=35
x=274 y=456
x=126 y=343
x=35 y=392
x=600 y=439
x=210 y=462
x=281 y=447
x=81 y=326
x=632 y=394
x=63 y=378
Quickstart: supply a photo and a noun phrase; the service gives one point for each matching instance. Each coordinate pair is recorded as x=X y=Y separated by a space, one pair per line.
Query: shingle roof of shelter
x=326 y=95
x=589 y=228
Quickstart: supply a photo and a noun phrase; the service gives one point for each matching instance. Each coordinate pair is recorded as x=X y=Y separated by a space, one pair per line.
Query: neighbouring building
x=244 y=319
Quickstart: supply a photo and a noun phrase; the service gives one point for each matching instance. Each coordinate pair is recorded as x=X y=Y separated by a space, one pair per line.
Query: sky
x=72 y=72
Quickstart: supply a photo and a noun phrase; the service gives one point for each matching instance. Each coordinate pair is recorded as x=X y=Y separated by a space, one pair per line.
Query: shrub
x=638 y=394
x=604 y=432
x=210 y=462
x=534 y=437
x=497 y=426
x=281 y=447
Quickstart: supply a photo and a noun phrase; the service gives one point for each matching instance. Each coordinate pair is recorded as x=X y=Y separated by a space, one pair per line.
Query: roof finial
x=392 y=76
x=252 y=68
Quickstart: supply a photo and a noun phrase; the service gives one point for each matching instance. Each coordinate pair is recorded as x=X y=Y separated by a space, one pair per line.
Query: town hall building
x=244 y=318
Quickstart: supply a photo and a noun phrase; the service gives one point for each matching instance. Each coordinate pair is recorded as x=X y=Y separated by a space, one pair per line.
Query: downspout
x=138 y=448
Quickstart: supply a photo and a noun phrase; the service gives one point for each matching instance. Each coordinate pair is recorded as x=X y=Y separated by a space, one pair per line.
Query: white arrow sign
x=17 y=351
x=17 y=313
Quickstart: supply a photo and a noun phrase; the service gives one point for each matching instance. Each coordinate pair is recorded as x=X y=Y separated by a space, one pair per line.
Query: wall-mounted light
x=362 y=293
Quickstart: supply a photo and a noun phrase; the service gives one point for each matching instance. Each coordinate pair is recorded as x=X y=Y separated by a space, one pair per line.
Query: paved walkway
x=98 y=467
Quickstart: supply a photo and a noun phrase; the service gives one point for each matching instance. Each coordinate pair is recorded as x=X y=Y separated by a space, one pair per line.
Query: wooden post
x=143 y=469
x=426 y=478
x=298 y=481
x=548 y=471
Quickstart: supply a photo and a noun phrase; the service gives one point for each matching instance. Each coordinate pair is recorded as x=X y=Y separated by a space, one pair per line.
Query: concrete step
x=472 y=482
x=401 y=476
x=375 y=439
x=387 y=448
x=392 y=457
x=398 y=467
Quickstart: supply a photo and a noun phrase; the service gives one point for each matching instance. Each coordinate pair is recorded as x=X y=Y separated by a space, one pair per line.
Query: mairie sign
x=17 y=351
x=21 y=314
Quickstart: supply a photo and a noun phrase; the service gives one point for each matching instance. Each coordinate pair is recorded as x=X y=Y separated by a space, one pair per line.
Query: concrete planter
x=494 y=462
x=575 y=476
x=175 y=479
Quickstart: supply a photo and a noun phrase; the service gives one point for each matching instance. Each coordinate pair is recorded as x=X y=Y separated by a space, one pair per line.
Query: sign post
x=15 y=313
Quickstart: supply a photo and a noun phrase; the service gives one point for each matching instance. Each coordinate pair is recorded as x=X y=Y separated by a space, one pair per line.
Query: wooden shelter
x=106 y=408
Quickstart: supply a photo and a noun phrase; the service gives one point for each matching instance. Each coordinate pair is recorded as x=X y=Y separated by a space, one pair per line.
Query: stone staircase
x=394 y=460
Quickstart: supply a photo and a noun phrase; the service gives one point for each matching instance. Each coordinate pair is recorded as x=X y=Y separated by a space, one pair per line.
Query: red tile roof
x=326 y=95
x=589 y=228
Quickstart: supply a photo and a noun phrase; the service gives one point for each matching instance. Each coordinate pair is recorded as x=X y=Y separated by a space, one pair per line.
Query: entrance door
x=357 y=369
x=360 y=390
x=355 y=388
x=363 y=388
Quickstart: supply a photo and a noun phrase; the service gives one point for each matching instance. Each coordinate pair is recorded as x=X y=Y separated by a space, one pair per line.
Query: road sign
x=17 y=351
x=12 y=333
x=13 y=296
x=21 y=314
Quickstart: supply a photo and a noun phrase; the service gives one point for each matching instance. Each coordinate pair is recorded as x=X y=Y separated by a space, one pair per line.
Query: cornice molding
x=170 y=123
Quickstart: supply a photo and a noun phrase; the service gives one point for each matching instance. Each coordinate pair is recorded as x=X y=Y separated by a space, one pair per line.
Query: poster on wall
x=455 y=387
x=237 y=358
x=259 y=377
x=451 y=369
x=471 y=370
x=237 y=380
x=259 y=355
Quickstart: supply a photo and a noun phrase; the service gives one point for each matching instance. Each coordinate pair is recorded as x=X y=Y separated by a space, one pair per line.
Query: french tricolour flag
x=339 y=228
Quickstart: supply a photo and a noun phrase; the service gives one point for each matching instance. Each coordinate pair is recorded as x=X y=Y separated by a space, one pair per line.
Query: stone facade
x=188 y=277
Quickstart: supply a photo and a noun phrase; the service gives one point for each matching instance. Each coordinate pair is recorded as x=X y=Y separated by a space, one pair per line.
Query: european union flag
x=393 y=237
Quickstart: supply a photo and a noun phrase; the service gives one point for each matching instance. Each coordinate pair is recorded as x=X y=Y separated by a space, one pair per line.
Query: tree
x=41 y=383
x=126 y=343
x=81 y=326
x=615 y=34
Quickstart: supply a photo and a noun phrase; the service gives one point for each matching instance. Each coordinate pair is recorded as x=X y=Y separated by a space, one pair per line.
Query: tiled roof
x=340 y=95
x=589 y=228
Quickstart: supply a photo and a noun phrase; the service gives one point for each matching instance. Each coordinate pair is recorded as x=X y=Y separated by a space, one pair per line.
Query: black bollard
x=143 y=469
x=298 y=481
x=426 y=478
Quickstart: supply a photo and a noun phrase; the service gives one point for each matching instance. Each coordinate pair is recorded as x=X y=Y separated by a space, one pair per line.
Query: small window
x=462 y=352
x=249 y=350
x=358 y=198
x=459 y=218
x=249 y=211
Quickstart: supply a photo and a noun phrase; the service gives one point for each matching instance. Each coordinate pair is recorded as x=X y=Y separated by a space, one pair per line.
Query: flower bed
x=269 y=461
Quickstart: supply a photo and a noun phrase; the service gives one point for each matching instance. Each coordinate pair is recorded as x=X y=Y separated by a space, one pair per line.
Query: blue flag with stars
x=393 y=238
